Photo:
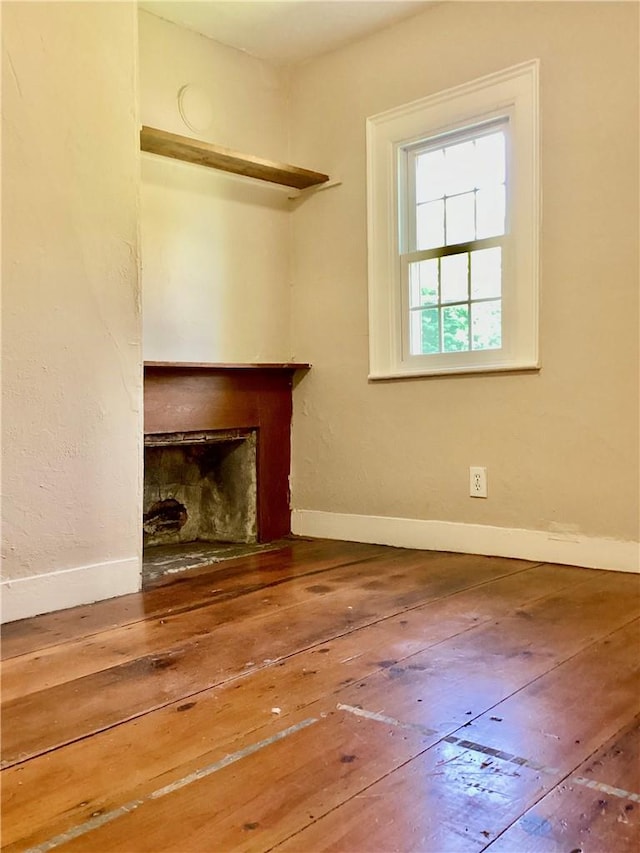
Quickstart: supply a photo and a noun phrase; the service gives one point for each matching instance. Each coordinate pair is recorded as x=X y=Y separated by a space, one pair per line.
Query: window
x=455 y=199
x=453 y=230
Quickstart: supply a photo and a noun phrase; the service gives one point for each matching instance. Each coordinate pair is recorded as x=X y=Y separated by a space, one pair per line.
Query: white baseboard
x=31 y=596
x=542 y=546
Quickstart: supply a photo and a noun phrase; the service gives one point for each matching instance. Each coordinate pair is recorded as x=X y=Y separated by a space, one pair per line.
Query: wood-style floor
x=331 y=696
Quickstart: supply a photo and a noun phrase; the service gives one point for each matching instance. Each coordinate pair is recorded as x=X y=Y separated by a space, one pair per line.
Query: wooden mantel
x=187 y=397
x=280 y=365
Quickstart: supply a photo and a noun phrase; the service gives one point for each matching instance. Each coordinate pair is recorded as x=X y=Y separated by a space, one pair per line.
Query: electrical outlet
x=478 y=482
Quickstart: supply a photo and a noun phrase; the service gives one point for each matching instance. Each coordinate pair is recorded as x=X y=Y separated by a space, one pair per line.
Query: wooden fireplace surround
x=188 y=397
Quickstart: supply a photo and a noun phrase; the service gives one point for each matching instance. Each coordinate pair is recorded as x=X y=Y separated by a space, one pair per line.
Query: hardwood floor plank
x=265 y=797
x=576 y=817
x=365 y=580
x=228 y=599
x=473 y=795
x=568 y=713
x=162 y=742
x=454 y=682
x=453 y=694
x=189 y=590
x=449 y=799
x=156 y=679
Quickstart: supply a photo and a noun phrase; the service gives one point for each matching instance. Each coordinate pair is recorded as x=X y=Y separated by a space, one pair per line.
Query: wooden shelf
x=205 y=154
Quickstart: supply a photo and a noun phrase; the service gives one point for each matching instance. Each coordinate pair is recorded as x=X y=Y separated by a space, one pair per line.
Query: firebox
x=200 y=487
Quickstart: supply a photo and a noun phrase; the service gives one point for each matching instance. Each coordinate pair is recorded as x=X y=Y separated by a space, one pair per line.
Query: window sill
x=424 y=373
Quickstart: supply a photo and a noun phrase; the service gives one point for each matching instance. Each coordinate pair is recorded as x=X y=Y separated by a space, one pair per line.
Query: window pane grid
x=436 y=225
x=460 y=189
x=455 y=302
x=456 y=327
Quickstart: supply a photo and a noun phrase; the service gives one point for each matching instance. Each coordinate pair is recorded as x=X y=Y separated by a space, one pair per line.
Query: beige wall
x=71 y=364
x=561 y=446
x=215 y=247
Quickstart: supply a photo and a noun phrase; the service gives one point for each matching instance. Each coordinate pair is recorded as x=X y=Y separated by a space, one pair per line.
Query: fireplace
x=217 y=452
x=200 y=487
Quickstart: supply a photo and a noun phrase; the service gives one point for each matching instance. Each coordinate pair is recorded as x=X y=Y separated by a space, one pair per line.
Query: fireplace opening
x=199 y=487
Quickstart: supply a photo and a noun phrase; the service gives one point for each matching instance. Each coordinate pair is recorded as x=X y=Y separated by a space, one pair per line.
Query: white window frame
x=512 y=94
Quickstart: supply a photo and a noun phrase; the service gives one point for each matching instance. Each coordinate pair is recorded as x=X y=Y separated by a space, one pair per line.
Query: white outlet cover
x=477 y=482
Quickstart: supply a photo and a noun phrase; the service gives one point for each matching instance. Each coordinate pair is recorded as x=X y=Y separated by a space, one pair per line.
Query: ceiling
x=287 y=31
